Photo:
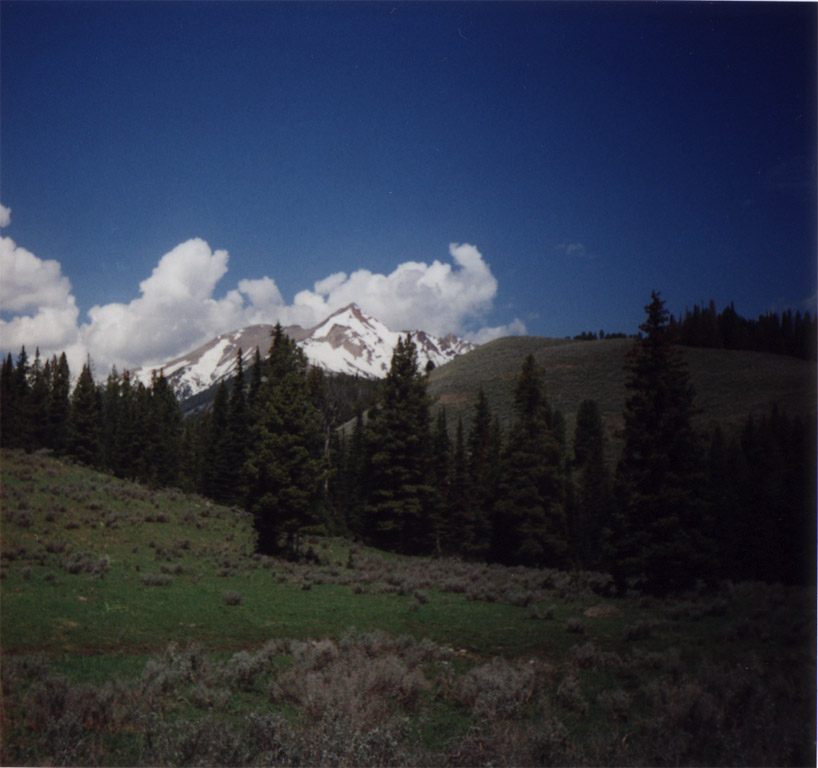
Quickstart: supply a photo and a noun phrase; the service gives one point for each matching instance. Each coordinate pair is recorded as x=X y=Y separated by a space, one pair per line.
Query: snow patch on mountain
x=348 y=341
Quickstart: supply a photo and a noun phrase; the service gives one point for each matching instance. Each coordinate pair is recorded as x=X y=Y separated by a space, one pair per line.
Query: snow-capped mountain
x=348 y=341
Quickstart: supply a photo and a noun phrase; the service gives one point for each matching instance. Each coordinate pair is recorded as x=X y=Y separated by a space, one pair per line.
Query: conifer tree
x=85 y=420
x=284 y=464
x=111 y=413
x=482 y=474
x=461 y=517
x=38 y=397
x=10 y=407
x=441 y=525
x=356 y=473
x=21 y=405
x=590 y=523
x=164 y=432
x=58 y=404
x=661 y=527
x=237 y=434
x=216 y=479
x=529 y=519
x=125 y=456
x=401 y=497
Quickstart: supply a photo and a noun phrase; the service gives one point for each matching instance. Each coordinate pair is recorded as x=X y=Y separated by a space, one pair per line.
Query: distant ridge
x=348 y=341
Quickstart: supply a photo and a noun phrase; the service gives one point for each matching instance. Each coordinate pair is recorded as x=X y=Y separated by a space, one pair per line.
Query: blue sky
x=175 y=170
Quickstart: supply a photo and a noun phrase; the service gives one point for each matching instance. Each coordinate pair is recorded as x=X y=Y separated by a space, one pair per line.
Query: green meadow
x=138 y=627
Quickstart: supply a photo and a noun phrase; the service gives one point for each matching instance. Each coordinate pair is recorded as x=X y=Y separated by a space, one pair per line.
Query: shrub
x=570 y=696
x=497 y=689
x=156 y=579
x=421 y=596
x=242 y=670
x=575 y=625
x=231 y=597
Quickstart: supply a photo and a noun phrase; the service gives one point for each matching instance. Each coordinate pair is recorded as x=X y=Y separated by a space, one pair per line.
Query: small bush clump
x=231 y=597
x=156 y=579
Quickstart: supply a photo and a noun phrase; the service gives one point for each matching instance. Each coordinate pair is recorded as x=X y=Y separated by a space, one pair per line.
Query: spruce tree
x=85 y=420
x=529 y=516
x=483 y=451
x=38 y=398
x=10 y=414
x=59 y=404
x=590 y=523
x=461 y=517
x=111 y=413
x=237 y=434
x=164 y=432
x=284 y=464
x=661 y=528
x=216 y=478
x=401 y=497
x=441 y=525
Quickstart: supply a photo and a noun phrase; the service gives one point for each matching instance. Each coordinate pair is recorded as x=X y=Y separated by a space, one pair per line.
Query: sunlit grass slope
x=139 y=628
x=729 y=384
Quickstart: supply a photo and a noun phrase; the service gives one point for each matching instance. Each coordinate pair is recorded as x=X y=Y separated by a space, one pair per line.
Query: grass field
x=729 y=384
x=138 y=628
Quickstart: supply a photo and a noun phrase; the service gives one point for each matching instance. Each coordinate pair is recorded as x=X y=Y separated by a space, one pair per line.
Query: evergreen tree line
x=784 y=334
x=123 y=427
x=678 y=507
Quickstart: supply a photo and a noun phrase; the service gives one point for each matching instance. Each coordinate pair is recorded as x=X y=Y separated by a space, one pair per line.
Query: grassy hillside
x=729 y=384
x=139 y=628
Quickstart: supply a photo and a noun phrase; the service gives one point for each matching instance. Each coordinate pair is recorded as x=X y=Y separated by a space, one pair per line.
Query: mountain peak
x=348 y=341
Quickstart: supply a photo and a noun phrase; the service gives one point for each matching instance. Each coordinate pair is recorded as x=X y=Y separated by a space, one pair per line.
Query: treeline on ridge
x=679 y=508
x=704 y=326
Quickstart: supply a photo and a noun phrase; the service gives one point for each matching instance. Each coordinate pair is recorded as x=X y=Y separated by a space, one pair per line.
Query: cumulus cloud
x=39 y=296
x=178 y=307
x=5 y=216
x=439 y=298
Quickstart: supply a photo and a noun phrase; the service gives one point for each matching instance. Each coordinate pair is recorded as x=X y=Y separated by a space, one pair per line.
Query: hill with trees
x=525 y=451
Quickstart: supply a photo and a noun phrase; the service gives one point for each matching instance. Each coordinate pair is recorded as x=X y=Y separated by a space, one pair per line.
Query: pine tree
x=529 y=520
x=284 y=465
x=237 y=434
x=356 y=476
x=216 y=479
x=9 y=406
x=401 y=497
x=85 y=420
x=165 y=432
x=111 y=415
x=20 y=408
x=441 y=525
x=38 y=400
x=462 y=522
x=59 y=404
x=590 y=522
x=661 y=528
x=483 y=452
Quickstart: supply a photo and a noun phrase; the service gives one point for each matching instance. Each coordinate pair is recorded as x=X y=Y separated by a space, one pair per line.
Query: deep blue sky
x=591 y=152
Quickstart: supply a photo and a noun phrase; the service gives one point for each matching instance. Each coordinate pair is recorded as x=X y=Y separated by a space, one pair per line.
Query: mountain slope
x=729 y=384
x=348 y=341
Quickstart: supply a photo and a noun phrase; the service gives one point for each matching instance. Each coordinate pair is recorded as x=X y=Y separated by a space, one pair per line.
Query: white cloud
x=177 y=308
x=5 y=215
x=38 y=296
x=436 y=297
x=29 y=282
x=485 y=335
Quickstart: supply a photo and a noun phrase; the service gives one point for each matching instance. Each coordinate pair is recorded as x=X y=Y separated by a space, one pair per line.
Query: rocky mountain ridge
x=348 y=341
